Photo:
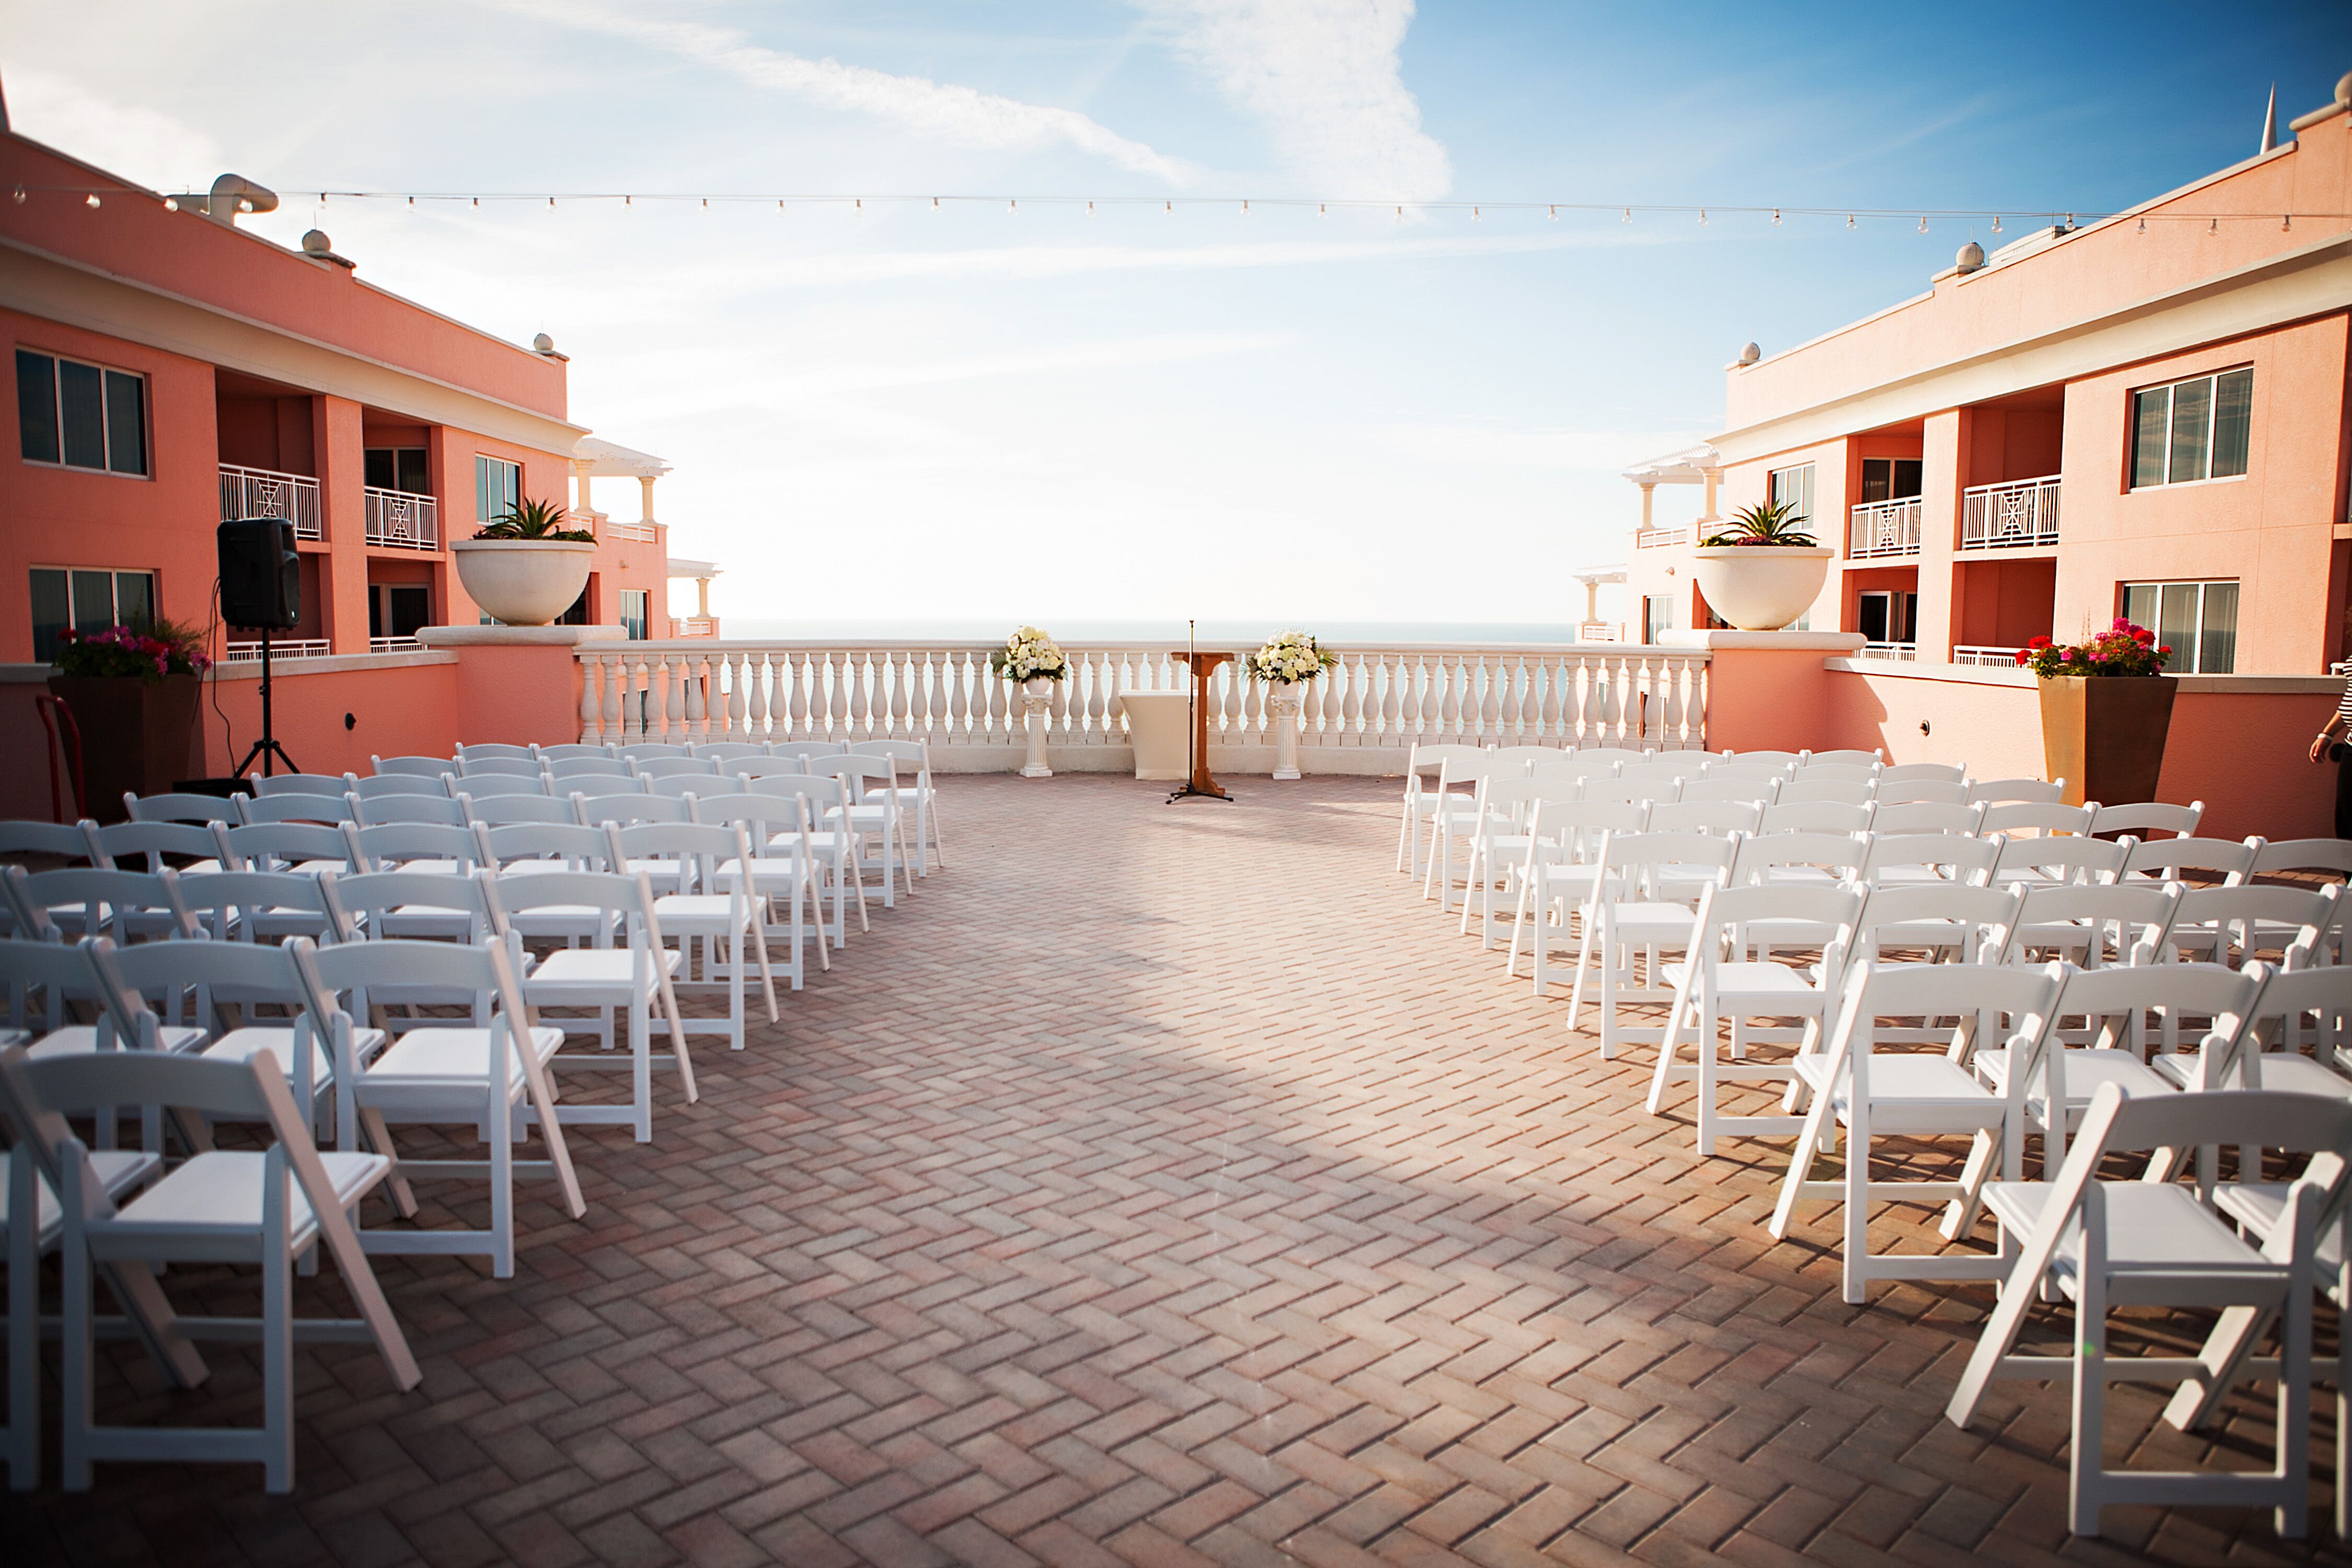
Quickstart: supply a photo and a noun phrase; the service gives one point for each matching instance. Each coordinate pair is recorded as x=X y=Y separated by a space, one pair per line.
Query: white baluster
x=616 y=680
x=589 y=707
x=697 y=726
x=1671 y=713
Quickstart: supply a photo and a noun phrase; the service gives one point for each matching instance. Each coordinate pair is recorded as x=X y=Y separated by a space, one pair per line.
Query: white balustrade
x=399 y=521
x=1884 y=528
x=1986 y=656
x=2004 y=516
x=264 y=493
x=248 y=651
x=1906 y=650
x=1368 y=710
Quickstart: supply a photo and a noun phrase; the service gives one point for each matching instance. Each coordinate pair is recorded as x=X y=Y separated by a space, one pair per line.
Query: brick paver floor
x=1161 y=1185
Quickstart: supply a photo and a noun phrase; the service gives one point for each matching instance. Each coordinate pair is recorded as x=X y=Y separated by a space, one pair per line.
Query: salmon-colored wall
x=2003 y=603
x=2098 y=270
x=519 y=695
x=189 y=255
x=402 y=709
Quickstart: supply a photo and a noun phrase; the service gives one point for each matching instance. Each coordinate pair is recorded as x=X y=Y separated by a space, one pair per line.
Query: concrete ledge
x=517 y=636
x=1993 y=675
x=1779 y=642
x=251 y=669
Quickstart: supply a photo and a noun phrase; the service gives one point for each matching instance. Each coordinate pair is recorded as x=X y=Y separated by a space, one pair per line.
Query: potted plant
x=526 y=568
x=134 y=694
x=1764 y=570
x=1031 y=660
x=2105 y=709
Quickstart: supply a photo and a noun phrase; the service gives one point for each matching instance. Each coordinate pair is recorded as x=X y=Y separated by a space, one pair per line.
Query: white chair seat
x=596 y=968
x=2086 y=1071
x=2286 y=1071
x=762 y=867
x=1745 y=982
x=1643 y=922
x=2152 y=1229
x=443 y=1058
x=2259 y=1206
x=76 y=1040
x=698 y=914
x=118 y=1170
x=210 y=1207
x=243 y=1045
x=1911 y=1091
x=820 y=841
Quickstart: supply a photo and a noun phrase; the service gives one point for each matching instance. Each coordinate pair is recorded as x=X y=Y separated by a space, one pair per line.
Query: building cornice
x=2313 y=281
x=56 y=288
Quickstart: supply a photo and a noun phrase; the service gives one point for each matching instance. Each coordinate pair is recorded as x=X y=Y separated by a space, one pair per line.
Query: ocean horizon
x=1212 y=632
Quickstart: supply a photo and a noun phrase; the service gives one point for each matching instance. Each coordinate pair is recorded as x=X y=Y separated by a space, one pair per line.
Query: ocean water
x=1232 y=632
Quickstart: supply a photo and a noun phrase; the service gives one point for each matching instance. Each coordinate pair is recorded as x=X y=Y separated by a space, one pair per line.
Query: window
x=2192 y=430
x=1887 y=616
x=398 y=609
x=1888 y=478
x=88 y=601
x=398 y=469
x=633 y=613
x=1795 y=486
x=80 y=415
x=2198 y=621
x=498 y=488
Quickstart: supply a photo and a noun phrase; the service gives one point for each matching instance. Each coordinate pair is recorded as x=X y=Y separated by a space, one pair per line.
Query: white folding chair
x=485 y=786
x=2148 y=817
x=2059 y=861
x=507 y=810
x=504 y=750
x=1920 y=792
x=1562 y=871
x=2105 y=1243
x=2044 y=818
x=220 y=1207
x=672 y=768
x=1783 y=760
x=1899 y=860
x=197 y=844
x=2001 y=791
x=306 y=846
x=1806 y=787
x=706 y=911
x=651 y=751
x=334 y=784
x=832 y=851
x=196 y=809
x=1913 y=1094
x=631 y=979
x=1815 y=817
x=2164 y=859
x=1851 y=757
x=1915 y=773
x=1926 y=816
x=798 y=749
x=258 y=906
x=596 y=810
x=472 y=767
x=574 y=751
x=414 y=847
x=869 y=816
x=77 y=901
x=784 y=865
x=1731 y=790
x=1424 y=784
x=1499 y=846
x=490 y=1072
x=725 y=751
x=1641 y=906
x=413 y=767
x=1715 y=817
x=1717 y=984
x=2092 y=926
x=920 y=797
x=383 y=810
x=328 y=809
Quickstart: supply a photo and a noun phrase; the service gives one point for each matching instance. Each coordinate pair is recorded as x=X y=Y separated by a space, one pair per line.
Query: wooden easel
x=1201 y=666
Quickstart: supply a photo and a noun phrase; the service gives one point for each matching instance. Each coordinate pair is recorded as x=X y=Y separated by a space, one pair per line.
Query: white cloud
x=133 y=141
x=1325 y=78
x=940 y=109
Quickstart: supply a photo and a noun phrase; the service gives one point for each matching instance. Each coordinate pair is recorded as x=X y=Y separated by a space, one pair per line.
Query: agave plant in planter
x=525 y=568
x=1764 y=570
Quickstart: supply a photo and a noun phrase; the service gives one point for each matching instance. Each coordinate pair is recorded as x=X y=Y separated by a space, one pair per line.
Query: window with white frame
x=633 y=613
x=88 y=599
x=76 y=416
x=1793 y=487
x=2198 y=621
x=498 y=488
x=2193 y=429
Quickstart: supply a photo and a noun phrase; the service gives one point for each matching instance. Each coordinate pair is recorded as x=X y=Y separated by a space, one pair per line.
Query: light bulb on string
x=551 y=203
x=92 y=199
x=477 y=200
x=2143 y=225
x=1923 y=224
x=2286 y=223
x=1849 y=220
x=1996 y=223
x=1090 y=209
x=171 y=206
x=1322 y=209
x=1474 y=215
x=705 y=204
x=935 y=204
x=18 y=196
x=2213 y=227
x=626 y=201
x=1776 y=218
x=1400 y=215
x=861 y=203
x=1625 y=216
x=1555 y=215
x=1702 y=218
x=1171 y=210
x=780 y=205
x=1245 y=209
x=1011 y=206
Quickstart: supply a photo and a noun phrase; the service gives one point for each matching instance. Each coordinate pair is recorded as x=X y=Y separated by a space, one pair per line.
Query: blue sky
x=982 y=414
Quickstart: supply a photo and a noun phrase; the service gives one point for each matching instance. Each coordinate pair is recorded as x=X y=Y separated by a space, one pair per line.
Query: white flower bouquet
x=1290 y=656
x=1030 y=655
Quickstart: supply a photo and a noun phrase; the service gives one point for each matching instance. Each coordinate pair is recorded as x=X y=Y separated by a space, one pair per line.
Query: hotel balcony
x=1658 y=538
x=2016 y=512
x=1897 y=650
x=399 y=521
x=264 y=493
x=1882 y=528
x=1986 y=656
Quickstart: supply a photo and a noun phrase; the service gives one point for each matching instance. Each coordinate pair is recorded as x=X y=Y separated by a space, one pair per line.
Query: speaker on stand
x=261 y=586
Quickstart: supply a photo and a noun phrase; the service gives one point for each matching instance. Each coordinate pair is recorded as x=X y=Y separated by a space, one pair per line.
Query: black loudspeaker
x=260 y=574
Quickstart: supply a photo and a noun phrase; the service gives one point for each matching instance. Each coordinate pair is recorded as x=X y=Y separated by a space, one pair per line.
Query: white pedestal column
x=1034 y=716
x=1282 y=698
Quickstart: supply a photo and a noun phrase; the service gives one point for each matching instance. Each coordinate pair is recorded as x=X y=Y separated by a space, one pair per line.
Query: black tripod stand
x=267 y=748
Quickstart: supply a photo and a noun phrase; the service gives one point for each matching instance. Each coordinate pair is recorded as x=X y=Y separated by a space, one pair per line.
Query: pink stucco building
x=2144 y=414
x=168 y=369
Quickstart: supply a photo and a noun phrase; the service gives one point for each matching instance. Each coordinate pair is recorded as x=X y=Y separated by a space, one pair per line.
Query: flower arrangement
x=151 y=650
x=1290 y=657
x=2122 y=649
x=540 y=520
x=1776 y=522
x=1030 y=655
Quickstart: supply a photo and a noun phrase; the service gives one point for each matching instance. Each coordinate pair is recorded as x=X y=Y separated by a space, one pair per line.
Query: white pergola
x=1593 y=577
x=593 y=458
x=1699 y=465
x=701 y=572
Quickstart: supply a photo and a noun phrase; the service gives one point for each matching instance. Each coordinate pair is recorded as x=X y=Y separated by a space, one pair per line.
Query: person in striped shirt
x=2326 y=745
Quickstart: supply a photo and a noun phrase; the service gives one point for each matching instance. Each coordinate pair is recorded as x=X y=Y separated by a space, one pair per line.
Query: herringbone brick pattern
x=1161 y=1185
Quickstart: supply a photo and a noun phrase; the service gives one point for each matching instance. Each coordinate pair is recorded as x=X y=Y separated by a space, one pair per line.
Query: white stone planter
x=1038 y=686
x=522 y=582
x=1282 y=699
x=1761 y=587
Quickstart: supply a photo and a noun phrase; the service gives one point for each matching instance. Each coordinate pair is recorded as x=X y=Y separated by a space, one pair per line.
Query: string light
x=91 y=198
x=1245 y=209
x=2143 y=225
x=2286 y=223
x=1090 y=209
x=1923 y=225
x=1849 y=220
x=1171 y=209
x=551 y=203
x=1555 y=215
x=1474 y=215
x=477 y=202
x=171 y=206
x=705 y=204
x=861 y=203
x=175 y=206
x=1776 y=218
x=1322 y=209
x=1702 y=218
x=1011 y=206
x=19 y=195
x=1996 y=223
x=1625 y=216
x=935 y=204
x=2213 y=228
